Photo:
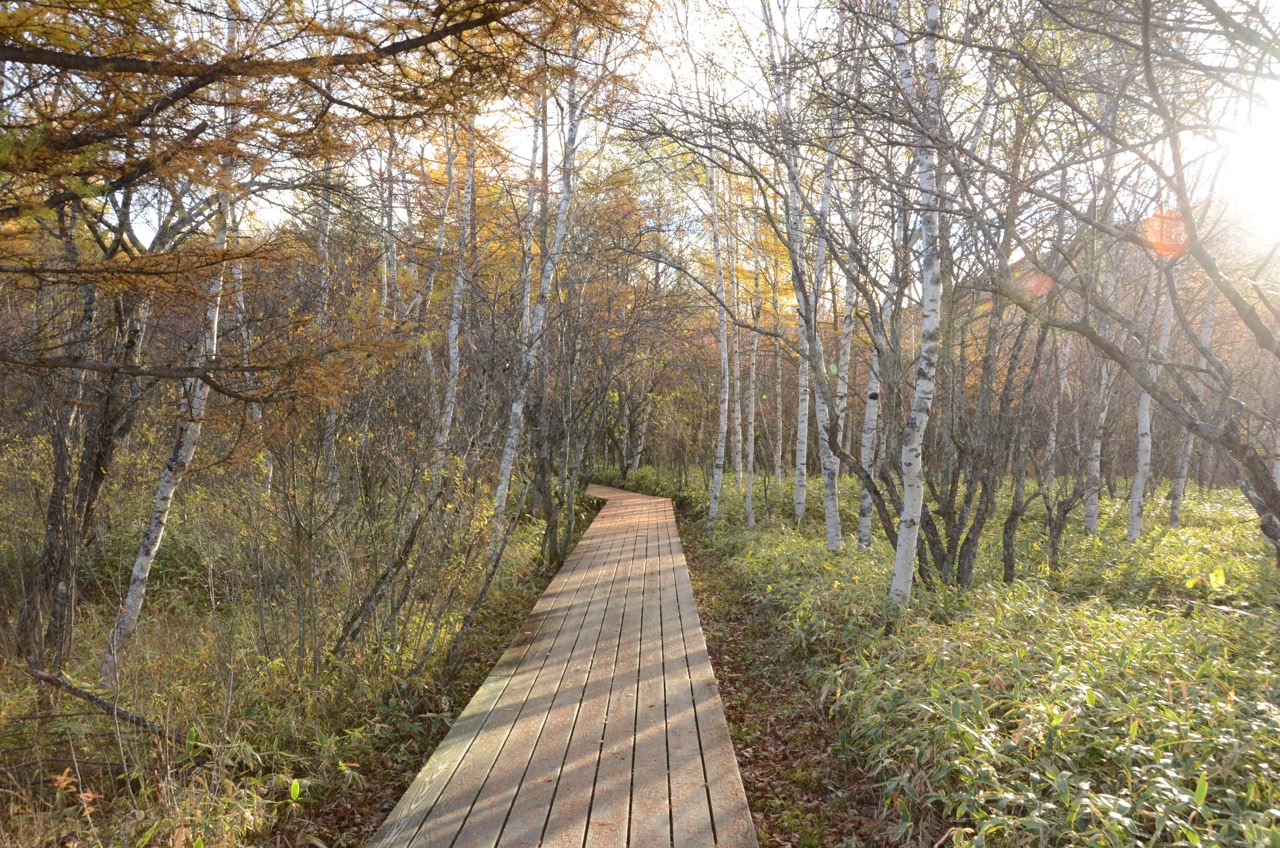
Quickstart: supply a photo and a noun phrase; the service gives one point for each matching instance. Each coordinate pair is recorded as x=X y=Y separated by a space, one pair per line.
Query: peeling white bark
x=1142 y=469
x=799 y=492
x=191 y=408
x=930 y=296
x=533 y=340
x=722 y=427
x=1055 y=422
x=460 y=277
x=1183 y=467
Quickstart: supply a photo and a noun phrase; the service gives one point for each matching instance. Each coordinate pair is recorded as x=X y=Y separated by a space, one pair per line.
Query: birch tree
x=191 y=410
x=532 y=331
x=722 y=338
x=1138 y=491
x=930 y=288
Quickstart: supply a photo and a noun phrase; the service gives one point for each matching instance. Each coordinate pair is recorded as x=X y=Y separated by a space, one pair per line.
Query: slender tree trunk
x=828 y=413
x=799 y=494
x=750 y=459
x=1275 y=457
x=191 y=407
x=391 y=256
x=1055 y=421
x=778 y=410
x=871 y=413
x=735 y=341
x=1017 y=507
x=748 y=494
x=1142 y=469
x=246 y=341
x=830 y=464
x=533 y=342
x=1183 y=467
x=1105 y=374
x=930 y=297
x=462 y=273
x=329 y=435
x=717 y=474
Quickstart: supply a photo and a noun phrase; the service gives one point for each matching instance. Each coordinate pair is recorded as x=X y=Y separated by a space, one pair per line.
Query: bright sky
x=1251 y=180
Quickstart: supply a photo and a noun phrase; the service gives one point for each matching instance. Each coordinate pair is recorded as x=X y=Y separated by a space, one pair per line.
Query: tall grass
x=269 y=737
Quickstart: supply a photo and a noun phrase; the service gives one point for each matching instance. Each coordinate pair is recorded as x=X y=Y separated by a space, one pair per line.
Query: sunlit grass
x=1128 y=697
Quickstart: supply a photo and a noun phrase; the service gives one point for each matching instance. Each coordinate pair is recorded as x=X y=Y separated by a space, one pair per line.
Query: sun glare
x=1251 y=172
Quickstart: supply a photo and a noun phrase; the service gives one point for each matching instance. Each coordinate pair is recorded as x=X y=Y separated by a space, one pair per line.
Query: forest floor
x=798 y=794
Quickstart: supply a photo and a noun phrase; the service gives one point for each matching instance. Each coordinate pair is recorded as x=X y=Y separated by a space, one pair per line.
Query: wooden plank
x=691 y=821
x=650 y=793
x=601 y=724
x=730 y=814
x=484 y=823
x=610 y=814
x=454 y=802
x=554 y=802
x=571 y=808
x=405 y=820
x=541 y=759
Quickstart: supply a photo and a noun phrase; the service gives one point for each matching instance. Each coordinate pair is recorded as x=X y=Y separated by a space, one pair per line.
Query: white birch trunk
x=1105 y=372
x=844 y=363
x=828 y=413
x=931 y=301
x=1093 y=462
x=830 y=475
x=748 y=493
x=191 y=407
x=780 y=87
x=717 y=472
x=460 y=277
x=735 y=342
x=867 y=449
x=537 y=316
x=871 y=414
x=1055 y=423
x=1183 y=468
x=1142 y=469
x=778 y=409
x=390 y=257
x=800 y=493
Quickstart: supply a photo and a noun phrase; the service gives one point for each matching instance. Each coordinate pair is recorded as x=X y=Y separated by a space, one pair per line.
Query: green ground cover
x=1130 y=697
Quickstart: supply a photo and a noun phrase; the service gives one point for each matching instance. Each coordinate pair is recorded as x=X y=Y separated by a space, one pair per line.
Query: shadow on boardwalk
x=602 y=723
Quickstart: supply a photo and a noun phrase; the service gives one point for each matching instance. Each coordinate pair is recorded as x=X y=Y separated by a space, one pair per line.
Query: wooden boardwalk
x=601 y=724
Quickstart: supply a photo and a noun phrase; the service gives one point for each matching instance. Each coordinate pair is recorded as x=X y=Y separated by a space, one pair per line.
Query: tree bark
x=1142 y=469
x=722 y=336
x=930 y=296
x=191 y=408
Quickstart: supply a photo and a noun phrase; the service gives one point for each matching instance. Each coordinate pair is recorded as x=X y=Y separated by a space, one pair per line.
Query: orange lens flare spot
x=1039 y=284
x=1167 y=233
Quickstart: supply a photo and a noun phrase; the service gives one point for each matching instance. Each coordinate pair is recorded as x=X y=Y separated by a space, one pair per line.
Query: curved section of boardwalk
x=601 y=724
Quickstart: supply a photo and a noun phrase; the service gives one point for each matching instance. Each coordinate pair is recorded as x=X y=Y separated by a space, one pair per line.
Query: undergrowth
x=290 y=747
x=1130 y=697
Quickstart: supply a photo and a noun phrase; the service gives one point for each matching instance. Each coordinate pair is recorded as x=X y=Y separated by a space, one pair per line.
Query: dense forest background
x=951 y=326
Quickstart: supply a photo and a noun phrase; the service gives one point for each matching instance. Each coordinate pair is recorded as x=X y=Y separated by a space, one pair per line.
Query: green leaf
x=146 y=836
x=1202 y=790
x=295 y=790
